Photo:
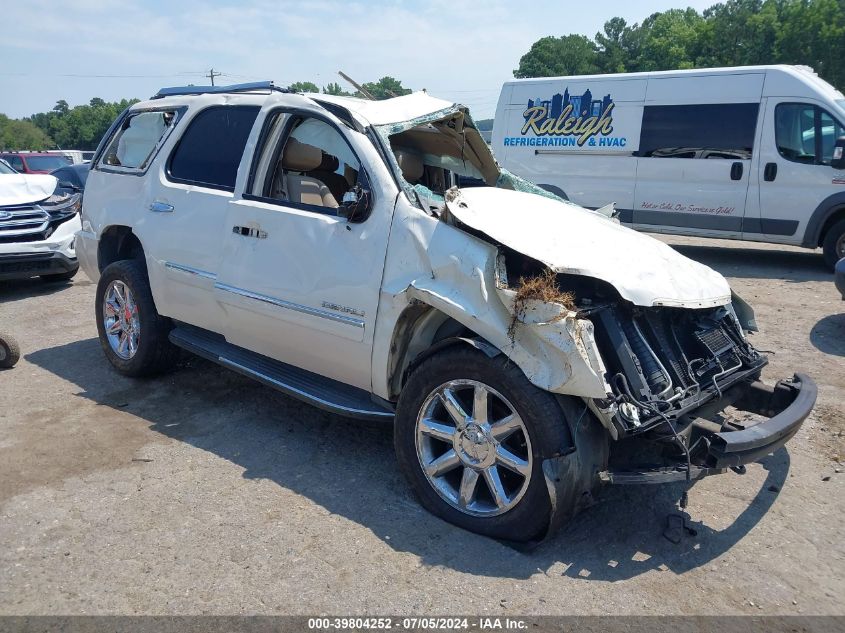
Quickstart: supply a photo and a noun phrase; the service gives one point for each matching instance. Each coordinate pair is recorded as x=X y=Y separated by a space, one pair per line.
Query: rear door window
x=210 y=150
x=134 y=145
x=714 y=131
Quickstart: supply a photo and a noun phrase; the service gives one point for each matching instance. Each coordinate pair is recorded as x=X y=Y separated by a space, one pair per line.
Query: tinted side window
x=210 y=150
x=723 y=131
x=16 y=162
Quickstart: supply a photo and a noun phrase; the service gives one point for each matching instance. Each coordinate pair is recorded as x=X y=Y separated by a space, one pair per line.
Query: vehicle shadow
x=16 y=290
x=751 y=263
x=828 y=335
x=348 y=468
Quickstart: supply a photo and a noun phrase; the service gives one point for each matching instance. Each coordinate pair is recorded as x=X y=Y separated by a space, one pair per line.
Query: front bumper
x=787 y=405
x=26 y=265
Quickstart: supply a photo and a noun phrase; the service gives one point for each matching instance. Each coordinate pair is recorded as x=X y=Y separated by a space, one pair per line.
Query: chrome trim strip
x=299 y=392
x=191 y=271
x=281 y=303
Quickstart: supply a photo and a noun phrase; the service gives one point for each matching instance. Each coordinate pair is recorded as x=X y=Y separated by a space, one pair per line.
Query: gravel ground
x=202 y=492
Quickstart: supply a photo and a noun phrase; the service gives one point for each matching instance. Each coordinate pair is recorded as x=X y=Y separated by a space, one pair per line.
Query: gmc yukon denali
x=372 y=258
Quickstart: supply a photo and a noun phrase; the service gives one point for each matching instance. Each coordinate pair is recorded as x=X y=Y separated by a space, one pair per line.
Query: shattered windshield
x=438 y=151
x=441 y=150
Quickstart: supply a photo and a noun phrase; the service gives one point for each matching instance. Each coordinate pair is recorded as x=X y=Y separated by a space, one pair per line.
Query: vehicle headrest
x=329 y=163
x=411 y=165
x=301 y=156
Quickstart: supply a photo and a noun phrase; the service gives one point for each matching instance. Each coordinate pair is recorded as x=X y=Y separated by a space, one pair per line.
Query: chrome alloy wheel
x=474 y=448
x=120 y=318
x=840 y=246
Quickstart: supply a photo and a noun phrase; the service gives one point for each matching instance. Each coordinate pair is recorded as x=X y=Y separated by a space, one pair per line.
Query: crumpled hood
x=25 y=188
x=570 y=239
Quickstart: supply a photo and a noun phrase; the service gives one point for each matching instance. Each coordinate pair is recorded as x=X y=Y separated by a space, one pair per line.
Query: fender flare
x=826 y=208
x=477 y=342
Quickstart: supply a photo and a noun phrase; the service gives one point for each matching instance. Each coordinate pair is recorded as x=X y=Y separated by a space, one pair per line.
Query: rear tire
x=136 y=342
x=834 y=244
x=525 y=514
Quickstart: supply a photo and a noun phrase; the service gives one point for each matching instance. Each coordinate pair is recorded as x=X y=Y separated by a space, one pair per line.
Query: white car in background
x=37 y=227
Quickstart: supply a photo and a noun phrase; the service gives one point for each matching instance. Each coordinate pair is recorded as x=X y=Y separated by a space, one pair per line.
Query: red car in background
x=34 y=162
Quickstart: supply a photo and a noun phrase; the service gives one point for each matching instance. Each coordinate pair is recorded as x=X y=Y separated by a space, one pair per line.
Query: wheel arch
x=118 y=242
x=825 y=215
x=421 y=331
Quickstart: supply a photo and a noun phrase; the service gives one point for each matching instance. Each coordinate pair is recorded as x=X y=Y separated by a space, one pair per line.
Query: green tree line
x=82 y=126
x=732 y=33
x=384 y=88
x=63 y=127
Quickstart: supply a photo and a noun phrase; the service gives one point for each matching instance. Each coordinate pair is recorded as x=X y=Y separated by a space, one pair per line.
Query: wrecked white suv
x=38 y=222
x=372 y=258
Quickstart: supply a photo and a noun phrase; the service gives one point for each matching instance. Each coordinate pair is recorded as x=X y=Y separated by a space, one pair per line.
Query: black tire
x=155 y=353
x=544 y=418
x=10 y=353
x=834 y=237
x=66 y=276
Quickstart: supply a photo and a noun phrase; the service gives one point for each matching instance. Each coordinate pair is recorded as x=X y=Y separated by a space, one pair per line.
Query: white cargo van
x=746 y=153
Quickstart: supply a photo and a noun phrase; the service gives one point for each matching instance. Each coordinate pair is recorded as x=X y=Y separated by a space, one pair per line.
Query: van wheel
x=471 y=434
x=834 y=244
x=132 y=333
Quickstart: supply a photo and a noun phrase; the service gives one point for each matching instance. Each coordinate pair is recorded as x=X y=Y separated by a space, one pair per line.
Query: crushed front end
x=687 y=400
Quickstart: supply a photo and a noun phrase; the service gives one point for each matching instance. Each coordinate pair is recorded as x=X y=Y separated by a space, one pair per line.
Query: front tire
x=471 y=434
x=133 y=335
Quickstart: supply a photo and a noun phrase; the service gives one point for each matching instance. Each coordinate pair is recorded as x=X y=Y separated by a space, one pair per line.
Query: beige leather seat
x=411 y=165
x=290 y=183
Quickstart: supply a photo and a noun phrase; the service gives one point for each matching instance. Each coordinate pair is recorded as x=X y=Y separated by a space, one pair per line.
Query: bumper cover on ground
x=25 y=265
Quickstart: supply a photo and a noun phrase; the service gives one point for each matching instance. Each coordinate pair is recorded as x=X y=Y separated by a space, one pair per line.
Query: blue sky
x=457 y=50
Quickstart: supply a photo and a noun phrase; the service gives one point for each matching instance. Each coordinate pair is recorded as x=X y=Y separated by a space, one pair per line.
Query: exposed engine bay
x=664 y=362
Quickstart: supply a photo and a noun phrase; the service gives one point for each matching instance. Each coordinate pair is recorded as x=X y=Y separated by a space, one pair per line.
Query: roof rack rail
x=201 y=90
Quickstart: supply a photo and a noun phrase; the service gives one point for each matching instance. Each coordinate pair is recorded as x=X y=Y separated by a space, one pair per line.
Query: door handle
x=161 y=207
x=736 y=171
x=247 y=231
x=770 y=172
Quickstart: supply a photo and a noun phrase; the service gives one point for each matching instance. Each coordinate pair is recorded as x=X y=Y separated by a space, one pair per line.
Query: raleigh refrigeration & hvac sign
x=568 y=120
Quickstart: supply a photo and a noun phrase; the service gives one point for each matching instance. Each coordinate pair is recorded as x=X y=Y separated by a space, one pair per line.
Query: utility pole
x=211 y=75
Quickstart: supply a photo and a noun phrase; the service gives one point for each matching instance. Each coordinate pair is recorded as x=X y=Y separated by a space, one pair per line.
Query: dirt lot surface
x=202 y=492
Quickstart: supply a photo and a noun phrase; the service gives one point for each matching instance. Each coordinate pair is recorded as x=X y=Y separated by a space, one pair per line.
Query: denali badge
x=339 y=308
